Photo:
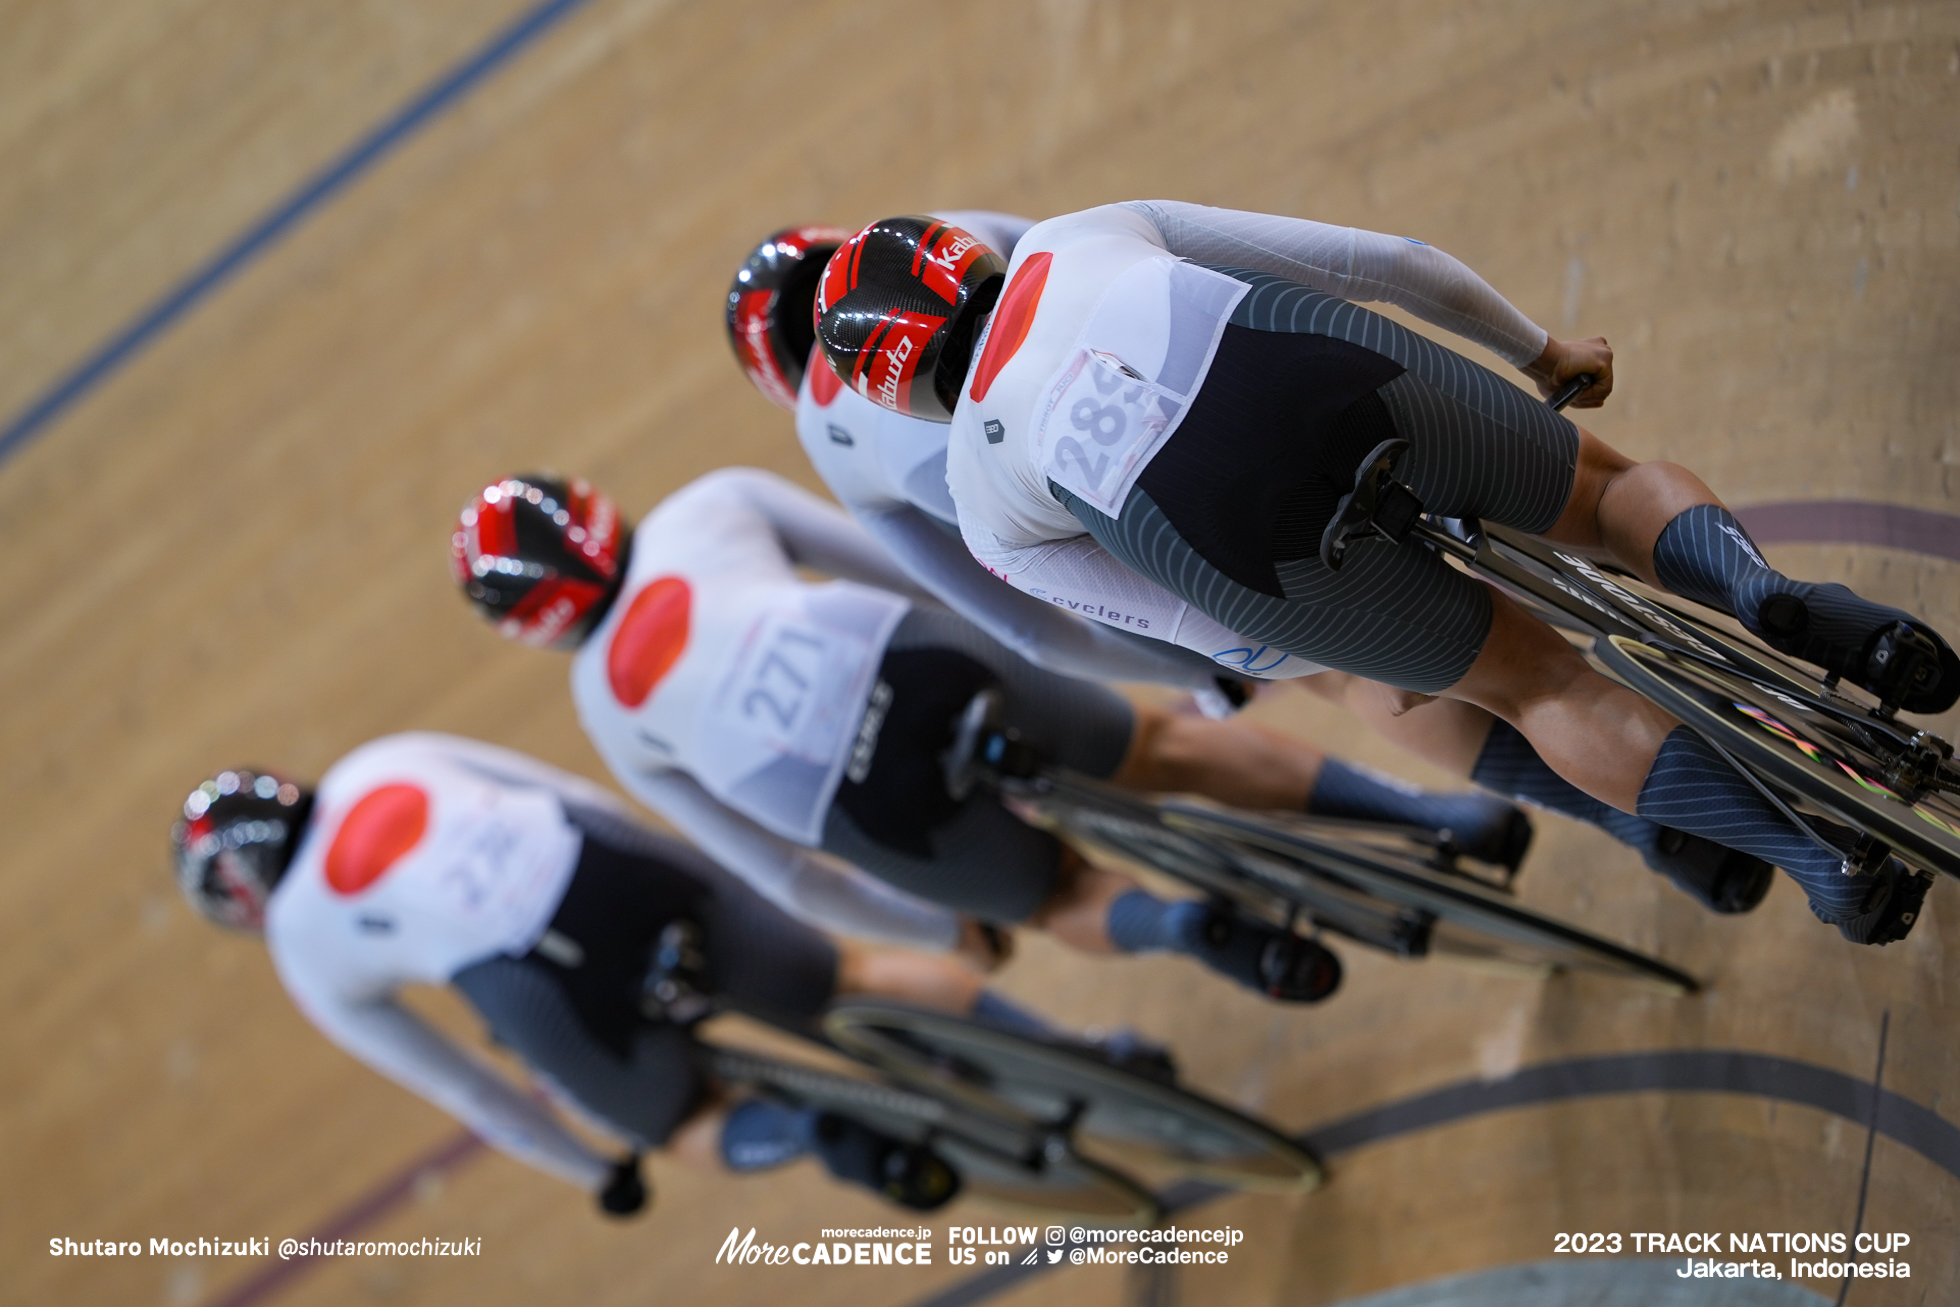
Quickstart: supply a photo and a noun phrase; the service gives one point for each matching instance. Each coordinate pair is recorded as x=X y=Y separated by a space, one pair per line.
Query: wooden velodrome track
x=231 y=549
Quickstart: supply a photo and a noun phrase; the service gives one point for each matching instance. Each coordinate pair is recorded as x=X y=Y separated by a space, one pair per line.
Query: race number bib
x=1100 y=422
x=1136 y=367
x=788 y=694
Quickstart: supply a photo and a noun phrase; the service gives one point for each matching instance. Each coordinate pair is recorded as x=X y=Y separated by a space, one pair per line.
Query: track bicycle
x=1813 y=746
x=1011 y=1114
x=1397 y=889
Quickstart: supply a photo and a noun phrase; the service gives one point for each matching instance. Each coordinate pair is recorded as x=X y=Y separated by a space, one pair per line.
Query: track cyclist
x=1193 y=389
x=429 y=859
x=1082 y=612
x=770 y=718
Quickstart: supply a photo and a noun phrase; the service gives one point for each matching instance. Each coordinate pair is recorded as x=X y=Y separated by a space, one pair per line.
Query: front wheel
x=1853 y=772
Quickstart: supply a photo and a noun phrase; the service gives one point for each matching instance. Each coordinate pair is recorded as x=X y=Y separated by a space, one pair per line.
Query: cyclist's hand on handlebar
x=1566 y=359
x=982 y=946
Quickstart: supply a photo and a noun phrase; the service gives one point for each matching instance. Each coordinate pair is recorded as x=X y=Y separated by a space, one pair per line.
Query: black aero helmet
x=770 y=325
x=234 y=841
x=539 y=556
x=897 y=310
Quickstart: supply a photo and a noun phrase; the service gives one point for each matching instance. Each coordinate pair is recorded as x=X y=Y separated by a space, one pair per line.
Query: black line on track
x=1871 y=1137
x=1700 y=1071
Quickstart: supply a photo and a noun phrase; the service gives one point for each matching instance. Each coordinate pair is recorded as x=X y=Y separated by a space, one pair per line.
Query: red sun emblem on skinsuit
x=649 y=641
x=1011 y=321
x=383 y=824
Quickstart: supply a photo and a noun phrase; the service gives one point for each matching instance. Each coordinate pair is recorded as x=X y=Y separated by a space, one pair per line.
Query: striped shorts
x=973 y=856
x=1228 y=515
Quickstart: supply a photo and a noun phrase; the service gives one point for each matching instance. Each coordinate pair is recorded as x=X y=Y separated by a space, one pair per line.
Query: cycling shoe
x=1277 y=963
x=910 y=1175
x=1892 y=905
x=1128 y=1050
x=1500 y=836
x=1878 y=648
x=1721 y=879
x=1296 y=970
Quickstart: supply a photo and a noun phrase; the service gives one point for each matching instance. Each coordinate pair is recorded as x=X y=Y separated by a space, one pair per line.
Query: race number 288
x=1104 y=424
x=1114 y=411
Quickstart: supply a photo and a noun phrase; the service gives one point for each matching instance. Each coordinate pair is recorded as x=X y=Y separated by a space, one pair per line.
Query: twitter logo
x=1054 y=1255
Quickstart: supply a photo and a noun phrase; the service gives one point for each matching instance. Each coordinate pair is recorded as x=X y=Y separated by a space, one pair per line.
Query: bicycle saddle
x=984 y=745
x=1377 y=506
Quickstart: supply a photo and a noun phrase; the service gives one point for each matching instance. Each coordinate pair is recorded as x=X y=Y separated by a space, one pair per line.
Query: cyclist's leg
x=1721 y=879
x=1465 y=740
x=1400 y=615
x=1101 y=911
x=1249 y=766
x=642 y=1084
x=697 y=1141
x=928 y=980
x=1660 y=520
x=1625 y=751
x=760 y=1134
x=1446 y=733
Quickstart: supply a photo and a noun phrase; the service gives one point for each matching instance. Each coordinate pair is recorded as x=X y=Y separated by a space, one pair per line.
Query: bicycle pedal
x=1901 y=661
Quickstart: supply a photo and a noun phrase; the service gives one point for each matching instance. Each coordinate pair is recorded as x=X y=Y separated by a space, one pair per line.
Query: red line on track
x=1854 y=522
x=362 y=1212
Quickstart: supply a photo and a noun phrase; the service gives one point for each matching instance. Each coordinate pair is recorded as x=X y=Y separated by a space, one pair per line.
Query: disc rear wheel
x=1074 y=1089
x=1466 y=920
x=999 y=1155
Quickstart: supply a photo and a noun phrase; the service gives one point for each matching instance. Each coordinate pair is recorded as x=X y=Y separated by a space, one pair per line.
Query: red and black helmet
x=770 y=324
x=540 y=556
x=234 y=841
x=897 y=310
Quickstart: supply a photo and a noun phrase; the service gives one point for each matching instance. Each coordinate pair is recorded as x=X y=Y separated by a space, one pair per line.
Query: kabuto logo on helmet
x=539 y=557
x=886 y=365
x=768 y=318
x=897 y=309
x=943 y=256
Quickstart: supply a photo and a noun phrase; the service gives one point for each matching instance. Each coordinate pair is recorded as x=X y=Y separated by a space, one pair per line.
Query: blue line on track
x=324 y=185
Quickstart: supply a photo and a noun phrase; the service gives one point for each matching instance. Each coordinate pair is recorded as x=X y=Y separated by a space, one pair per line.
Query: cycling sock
x=993 y=1010
x=1509 y=766
x=760 y=1134
x=1138 y=922
x=1705 y=555
x=1715 y=876
x=1693 y=789
x=1481 y=824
